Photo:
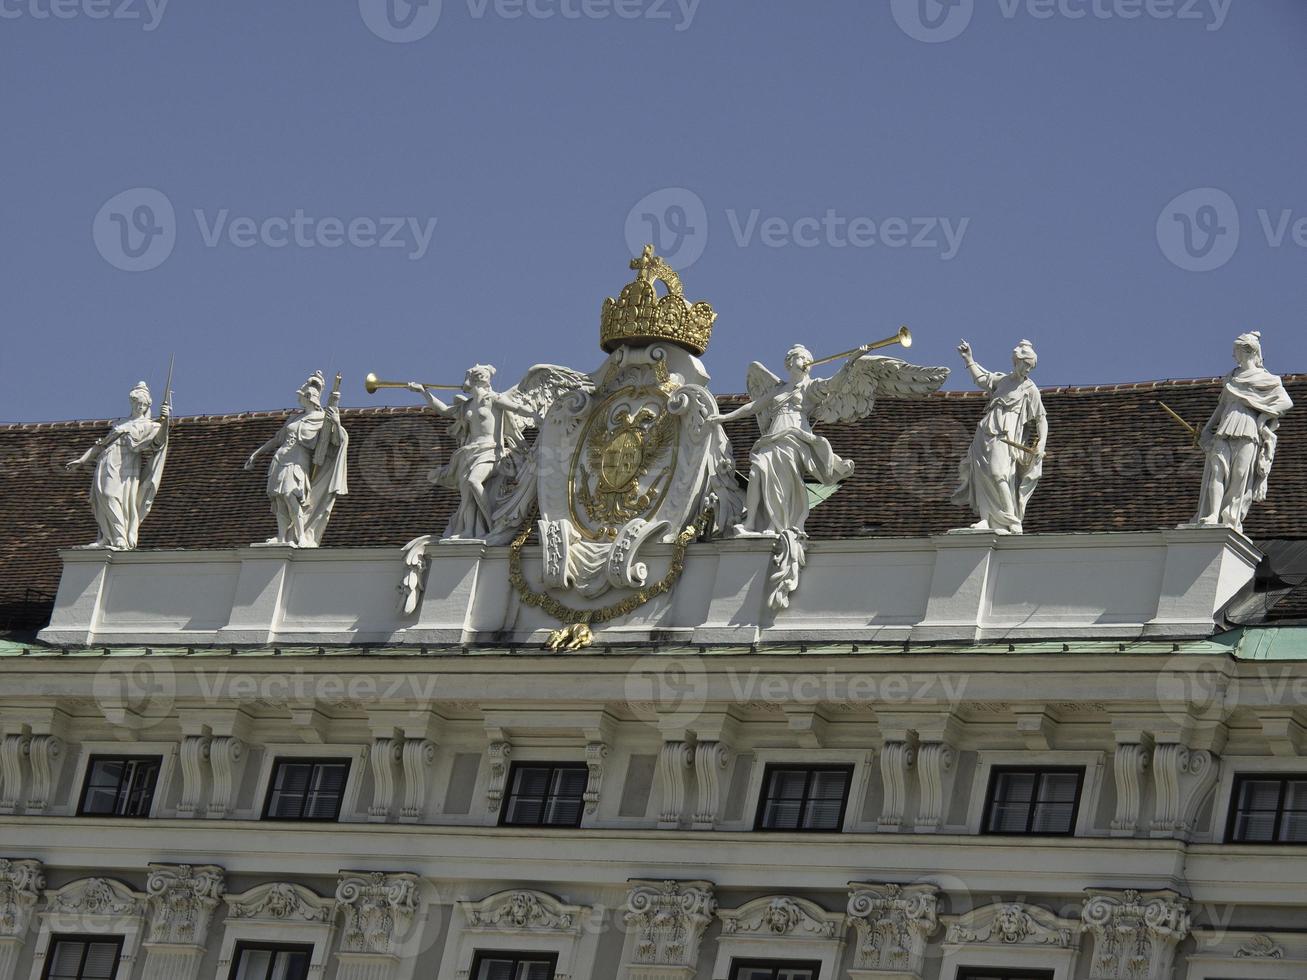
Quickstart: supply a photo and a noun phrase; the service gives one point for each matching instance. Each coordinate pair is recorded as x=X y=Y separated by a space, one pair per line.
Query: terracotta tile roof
x=1116 y=462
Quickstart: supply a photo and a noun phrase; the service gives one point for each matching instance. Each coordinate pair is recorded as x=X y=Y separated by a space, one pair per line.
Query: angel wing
x=539 y=388
x=851 y=392
x=761 y=383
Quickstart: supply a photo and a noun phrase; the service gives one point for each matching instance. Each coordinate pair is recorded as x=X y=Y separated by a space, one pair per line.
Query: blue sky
x=367 y=185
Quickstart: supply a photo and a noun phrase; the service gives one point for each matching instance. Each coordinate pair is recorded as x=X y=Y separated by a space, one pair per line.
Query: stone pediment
x=280 y=901
x=523 y=910
x=781 y=916
x=1014 y=924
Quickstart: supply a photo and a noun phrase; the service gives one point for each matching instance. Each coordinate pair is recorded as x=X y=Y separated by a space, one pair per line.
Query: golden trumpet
x=904 y=337
x=372 y=383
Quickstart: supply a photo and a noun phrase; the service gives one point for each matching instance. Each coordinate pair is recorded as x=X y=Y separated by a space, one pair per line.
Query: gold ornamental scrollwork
x=578 y=634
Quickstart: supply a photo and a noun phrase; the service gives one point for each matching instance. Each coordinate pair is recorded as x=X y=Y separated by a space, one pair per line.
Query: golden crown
x=640 y=315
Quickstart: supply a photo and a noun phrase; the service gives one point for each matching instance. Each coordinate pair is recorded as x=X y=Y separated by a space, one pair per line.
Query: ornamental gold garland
x=578 y=635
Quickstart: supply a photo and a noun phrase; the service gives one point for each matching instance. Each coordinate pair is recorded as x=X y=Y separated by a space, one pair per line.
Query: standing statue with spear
x=129 y=464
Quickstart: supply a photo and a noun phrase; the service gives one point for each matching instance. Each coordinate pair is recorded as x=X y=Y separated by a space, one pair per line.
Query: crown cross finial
x=646 y=264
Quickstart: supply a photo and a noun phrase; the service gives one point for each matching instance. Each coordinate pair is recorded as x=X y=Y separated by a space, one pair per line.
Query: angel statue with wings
x=789 y=453
x=490 y=429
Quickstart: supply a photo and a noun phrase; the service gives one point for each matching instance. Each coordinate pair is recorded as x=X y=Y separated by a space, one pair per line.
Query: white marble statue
x=490 y=430
x=789 y=454
x=1239 y=439
x=128 y=470
x=308 y=467
x=1003 y=465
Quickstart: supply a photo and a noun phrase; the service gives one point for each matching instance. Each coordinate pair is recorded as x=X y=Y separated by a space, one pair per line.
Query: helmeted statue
x=128 y=470
x=789 y=454
x=490 y=430
x=1006 y=459
x=1239 y=439
x=308 y=470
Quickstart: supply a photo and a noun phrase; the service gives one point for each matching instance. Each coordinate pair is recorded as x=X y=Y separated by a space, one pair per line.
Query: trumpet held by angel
x=489 y=428
x=789 y=453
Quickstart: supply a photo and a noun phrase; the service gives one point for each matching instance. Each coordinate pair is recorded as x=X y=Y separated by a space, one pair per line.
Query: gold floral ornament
x=640 y=315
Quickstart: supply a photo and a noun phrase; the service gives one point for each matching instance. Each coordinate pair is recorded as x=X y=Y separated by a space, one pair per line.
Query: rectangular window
x=973 y=973
x=803 y=797
x=119 y=786
x=271 y=961
x=1033 y=801
x=82 y=957
x=514 y=966
x=306 y=789
x=545 y=794
x=1269 y=810
x=774 y=970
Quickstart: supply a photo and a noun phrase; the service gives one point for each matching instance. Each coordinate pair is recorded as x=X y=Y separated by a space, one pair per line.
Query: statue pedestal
x=950 y=588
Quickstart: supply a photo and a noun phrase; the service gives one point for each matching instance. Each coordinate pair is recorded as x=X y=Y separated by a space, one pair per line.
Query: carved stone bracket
x=935 y=762
x=893 y=923
x=419 y=754
x=226 y=762
x=897 y=757
x=497 y=753
x=21 y=882
x=384 y=757
x=595 y=754
x=45 y=753
x=1182 y=779
x=666 y=922
x=14 y=751
x=193 y=757
x=710 y=761
x=1135 y=933
x=1128 y=767
x=674 y=760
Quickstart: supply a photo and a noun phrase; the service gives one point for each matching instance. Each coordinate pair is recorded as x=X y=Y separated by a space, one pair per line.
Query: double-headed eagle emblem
x=614 y=461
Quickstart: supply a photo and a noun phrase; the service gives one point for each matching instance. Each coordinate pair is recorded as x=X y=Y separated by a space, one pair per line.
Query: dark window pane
x=122 y=787
x=82 y=959
x=508 y=966
x=307 y=790
x=546 y=795
x=1269 y=810
x=1033 y=801
x=773 y=970
x=789 y=784
x=803 y=799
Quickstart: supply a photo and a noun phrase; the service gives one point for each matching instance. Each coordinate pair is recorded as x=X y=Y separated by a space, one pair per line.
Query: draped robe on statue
x=310 y=466
x=996 y=480
x=126 y=482
x=787 y=452
x=1240 y=442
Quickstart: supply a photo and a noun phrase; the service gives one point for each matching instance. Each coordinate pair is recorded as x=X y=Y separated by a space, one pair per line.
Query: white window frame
x=128 y=925
x=353 y=753
x=269 y=929
x=1094 y=763
x=167 y=752
x=575 y=944
x=859 y=759
x=1246 y=765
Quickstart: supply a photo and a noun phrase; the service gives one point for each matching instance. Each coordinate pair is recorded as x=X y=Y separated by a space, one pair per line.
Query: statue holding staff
x=129 y=464
x=1002 y=467
x=308 y=470
x=1239 y=439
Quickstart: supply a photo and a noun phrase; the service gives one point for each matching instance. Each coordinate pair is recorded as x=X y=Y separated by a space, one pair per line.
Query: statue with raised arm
x=1239 y=439
x=1006 y=459
x=128 y=470
x=490 y=430
x=789 y=454
x=308 y=469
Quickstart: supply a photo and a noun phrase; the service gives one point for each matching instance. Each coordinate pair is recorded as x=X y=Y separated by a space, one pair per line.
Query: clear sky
x=1121 y=181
